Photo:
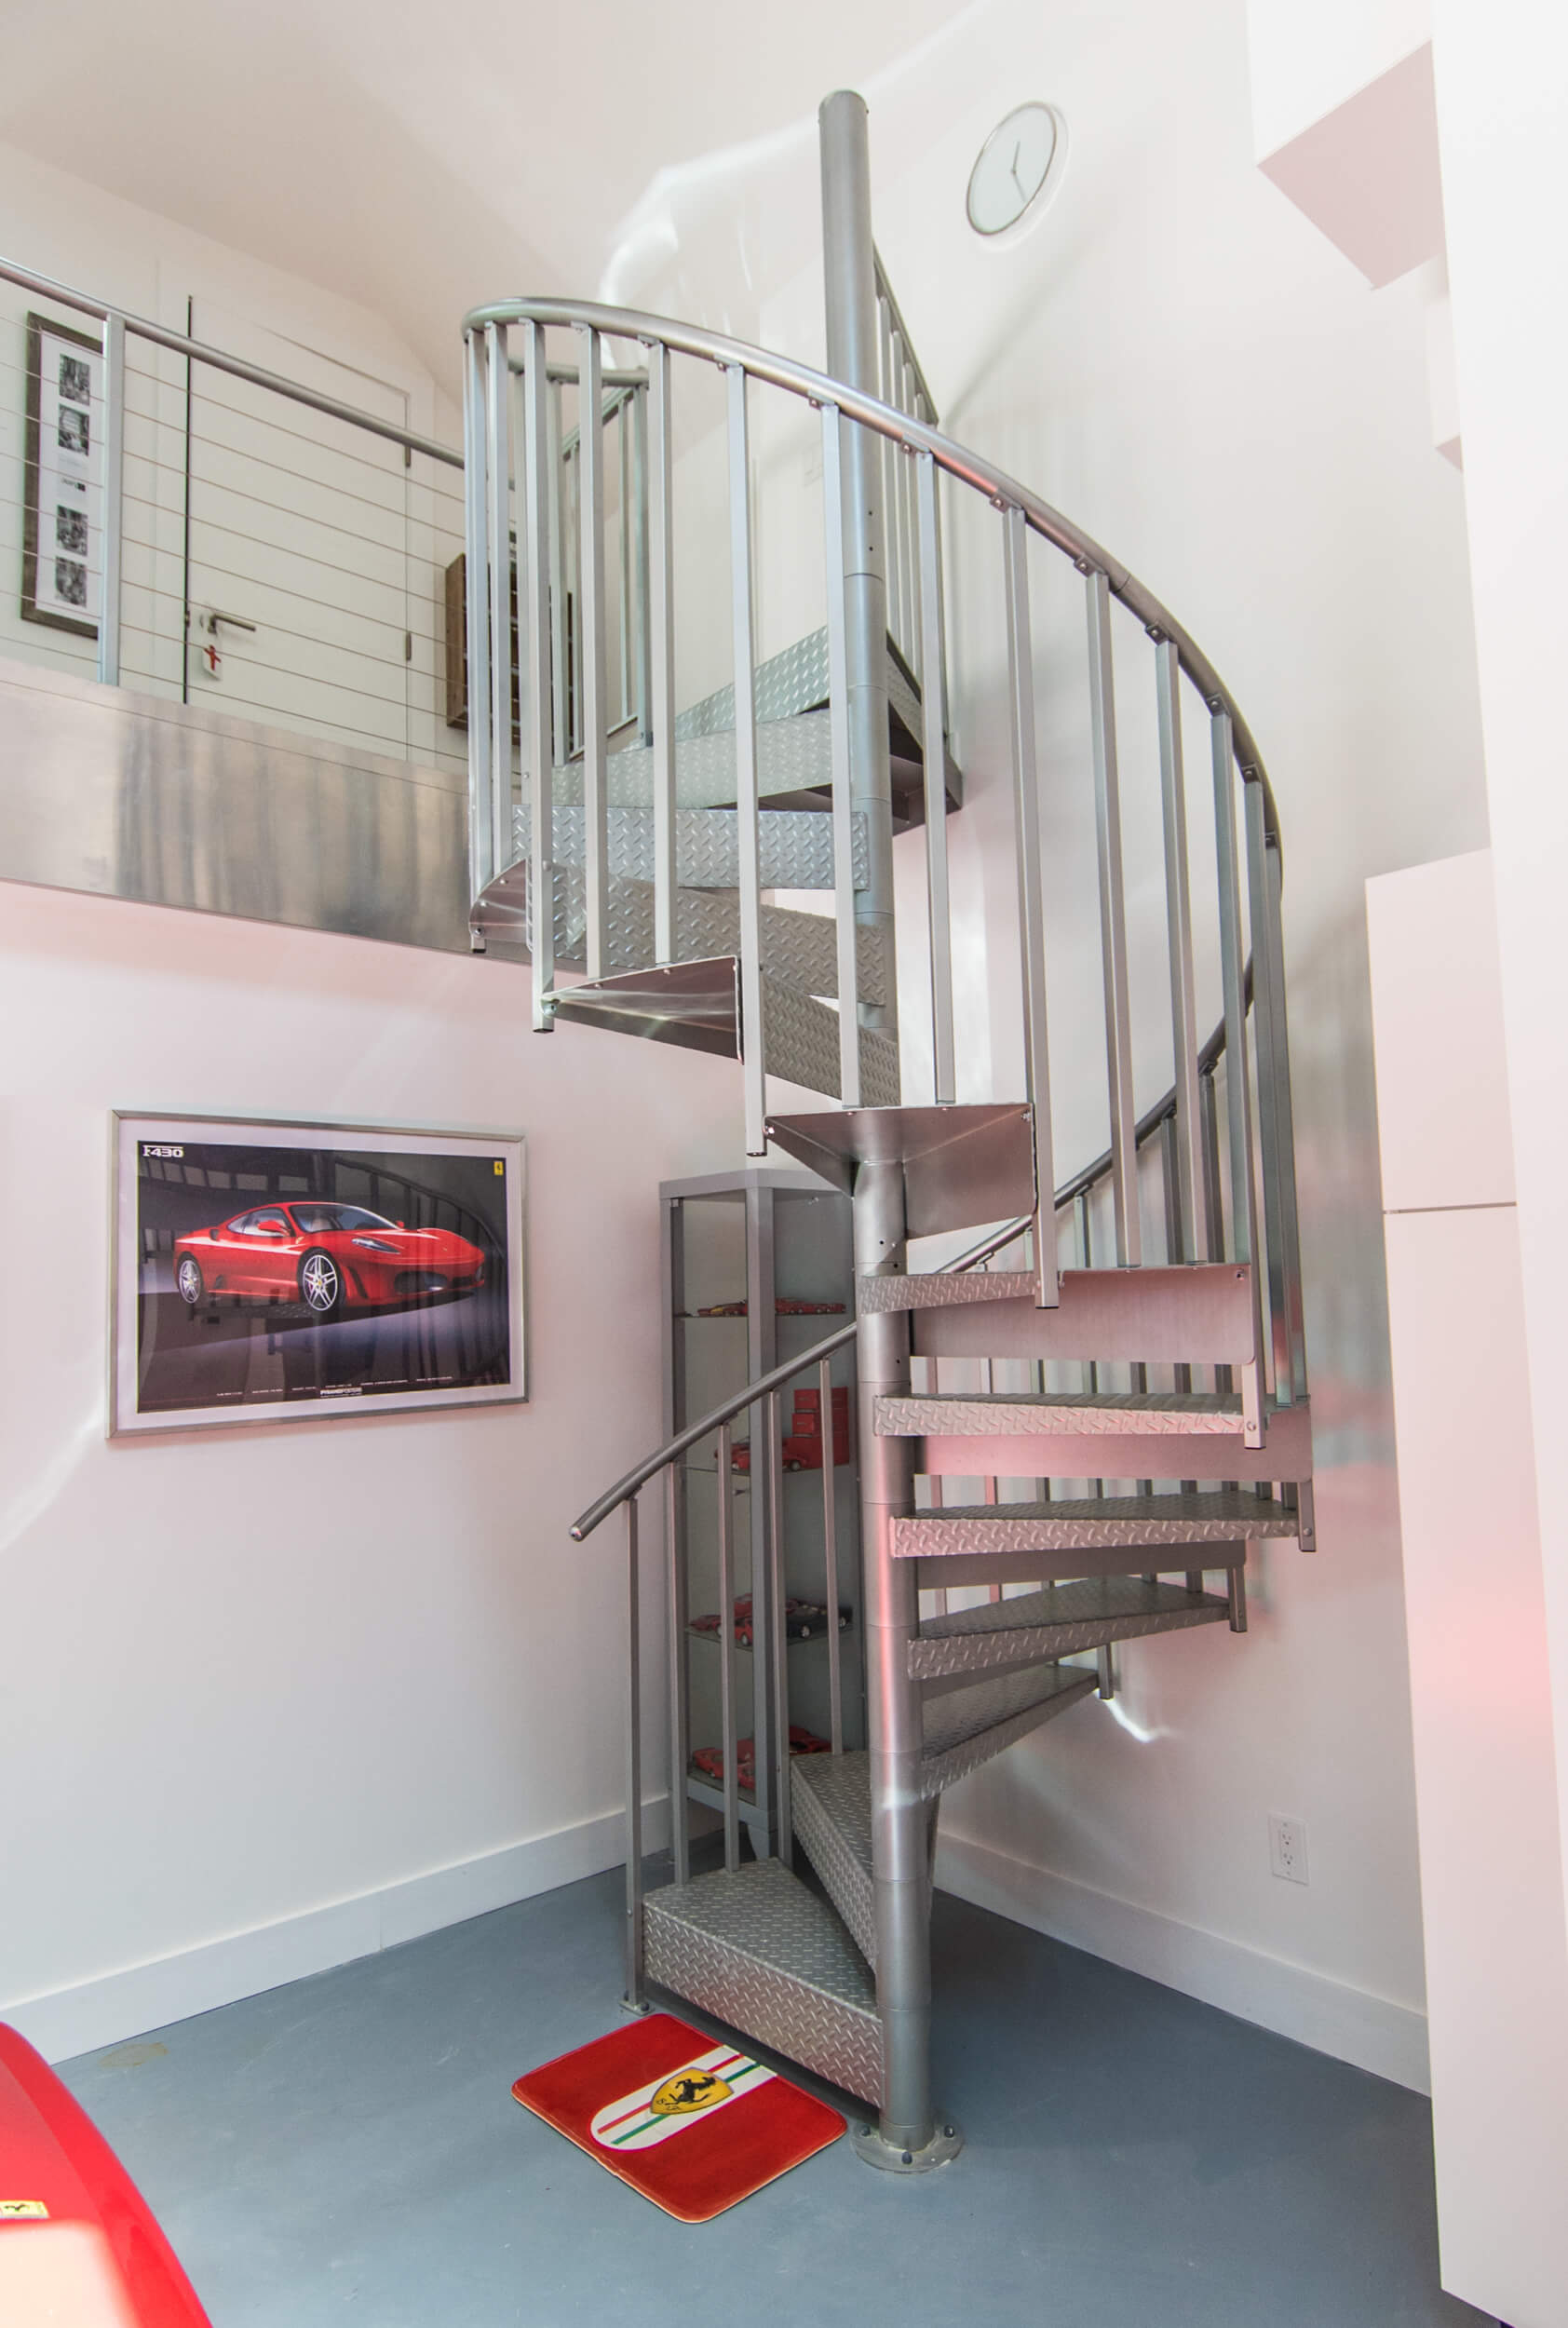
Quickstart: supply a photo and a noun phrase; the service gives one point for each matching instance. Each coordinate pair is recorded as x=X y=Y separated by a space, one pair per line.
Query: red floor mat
x=694 y=2126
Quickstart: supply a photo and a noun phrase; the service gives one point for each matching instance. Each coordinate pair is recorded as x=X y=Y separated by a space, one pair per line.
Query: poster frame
x=128 y=1127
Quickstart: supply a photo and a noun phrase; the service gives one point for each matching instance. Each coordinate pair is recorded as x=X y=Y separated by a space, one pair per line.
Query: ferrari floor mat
x=694 y=2126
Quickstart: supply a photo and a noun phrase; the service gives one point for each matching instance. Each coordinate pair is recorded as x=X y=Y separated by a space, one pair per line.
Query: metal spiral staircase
x=1170 y=1263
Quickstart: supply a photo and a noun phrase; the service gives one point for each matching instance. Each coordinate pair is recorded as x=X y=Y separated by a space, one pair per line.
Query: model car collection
x=328 y=1257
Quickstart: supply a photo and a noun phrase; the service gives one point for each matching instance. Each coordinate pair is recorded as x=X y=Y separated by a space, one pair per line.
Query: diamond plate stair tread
x=832 y=1807
x=760 y=1951
x=940 y=1289
x=800 y=1038
x=1062 y=1620
x=968 y=1727
x=800 y=949
x=1084 y=1523
x=795 y=846
x=793 y=755
x=793 y=684
x=1013 y=1414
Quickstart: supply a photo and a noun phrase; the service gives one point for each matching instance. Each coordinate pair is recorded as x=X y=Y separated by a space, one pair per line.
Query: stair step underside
x=757 y=1949
x=1062 y=1620
x=830 y=1811
x=800 y=949
x=1153 y=1413
x=794 y=846
x=696 y=1005
x=968 y=1727
x=1087 y=1523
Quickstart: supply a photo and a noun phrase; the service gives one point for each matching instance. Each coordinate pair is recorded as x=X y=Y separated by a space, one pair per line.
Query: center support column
x=849 y=268
x=908 y=2139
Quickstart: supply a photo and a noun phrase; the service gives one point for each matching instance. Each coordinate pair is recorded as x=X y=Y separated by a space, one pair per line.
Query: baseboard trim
x=1371 y=2031
x=91 y=2014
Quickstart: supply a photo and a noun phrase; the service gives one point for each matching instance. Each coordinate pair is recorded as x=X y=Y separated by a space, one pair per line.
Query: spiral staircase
x=640 y=863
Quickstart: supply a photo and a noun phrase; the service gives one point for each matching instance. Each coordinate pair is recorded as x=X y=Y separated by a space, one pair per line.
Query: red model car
x=331 y=1257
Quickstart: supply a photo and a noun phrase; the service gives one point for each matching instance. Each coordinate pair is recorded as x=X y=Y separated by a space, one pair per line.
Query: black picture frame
x=31 y=473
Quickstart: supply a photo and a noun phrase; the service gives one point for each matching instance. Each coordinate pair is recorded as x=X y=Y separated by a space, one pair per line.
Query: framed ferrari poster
x=275 y=1272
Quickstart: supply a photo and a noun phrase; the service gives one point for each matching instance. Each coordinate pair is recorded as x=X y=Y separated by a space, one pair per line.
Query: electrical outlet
x=1286 y=1848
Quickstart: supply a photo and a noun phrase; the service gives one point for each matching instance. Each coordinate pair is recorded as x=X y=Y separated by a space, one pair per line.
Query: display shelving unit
x=760 y=1237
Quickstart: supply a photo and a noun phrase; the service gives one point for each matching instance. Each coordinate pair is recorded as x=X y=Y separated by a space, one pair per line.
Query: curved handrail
x=642 y=1472
x=915 y=436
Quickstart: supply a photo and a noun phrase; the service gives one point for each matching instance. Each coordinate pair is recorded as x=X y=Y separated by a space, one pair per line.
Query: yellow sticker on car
x=30 y=2209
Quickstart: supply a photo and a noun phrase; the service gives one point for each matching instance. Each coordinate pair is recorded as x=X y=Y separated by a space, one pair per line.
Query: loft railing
x=222 y=534
x=901 y=385
x=1234 y=1196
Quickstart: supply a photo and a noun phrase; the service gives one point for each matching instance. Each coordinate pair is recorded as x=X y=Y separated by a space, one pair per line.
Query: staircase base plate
x=870 y=2148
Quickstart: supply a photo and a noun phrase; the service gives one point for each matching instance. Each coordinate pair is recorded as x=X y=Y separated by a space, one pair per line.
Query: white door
x=299 y=584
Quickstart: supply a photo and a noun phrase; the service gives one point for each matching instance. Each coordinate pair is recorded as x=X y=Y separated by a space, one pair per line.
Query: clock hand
x=1017 y=180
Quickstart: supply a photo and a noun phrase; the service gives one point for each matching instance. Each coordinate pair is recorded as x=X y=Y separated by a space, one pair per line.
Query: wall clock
x=1022 y=156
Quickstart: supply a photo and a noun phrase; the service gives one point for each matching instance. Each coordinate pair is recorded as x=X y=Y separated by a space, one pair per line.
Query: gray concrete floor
x=347 y=2148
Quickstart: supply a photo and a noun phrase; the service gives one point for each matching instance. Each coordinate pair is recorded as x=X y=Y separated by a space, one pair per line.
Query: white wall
x=274 y=1698
x=1485 y=1760
x=1178 y=361
x=1502 y=117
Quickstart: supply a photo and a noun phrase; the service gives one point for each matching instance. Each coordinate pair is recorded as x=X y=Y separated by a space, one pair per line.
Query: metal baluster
x=1244 y=1225
x=1263 y=975
x=639 y=570
x=1113 y=926
x=726 y=1656
x=1170 y=1172
x=934 y=1495
x=113 y=527
x=680 y=1687
x=933 y=715
x=746 y=769
x=830 y=1551
x=661 y=594
x=559 y=690
x=623 y=449
x=838 y=737
x=915 y=643
x=633 y=1768
x=499 y=479
x=1190 y=1243
x=477 y=609
x=779 y=1631
x=535 y=515
x=1086 y=1254
x=1032 y=915
x=890 y=458
x=591 y=647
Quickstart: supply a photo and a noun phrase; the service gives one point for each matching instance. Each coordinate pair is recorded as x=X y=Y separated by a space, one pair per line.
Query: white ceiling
x=423 y=161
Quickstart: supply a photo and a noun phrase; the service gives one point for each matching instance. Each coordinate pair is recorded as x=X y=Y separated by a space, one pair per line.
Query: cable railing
x=197 y=526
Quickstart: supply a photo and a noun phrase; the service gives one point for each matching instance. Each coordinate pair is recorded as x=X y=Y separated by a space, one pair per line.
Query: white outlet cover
x=1286 y=1848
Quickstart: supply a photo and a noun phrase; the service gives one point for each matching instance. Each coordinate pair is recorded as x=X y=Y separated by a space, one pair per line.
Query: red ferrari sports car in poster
x=267 y=1271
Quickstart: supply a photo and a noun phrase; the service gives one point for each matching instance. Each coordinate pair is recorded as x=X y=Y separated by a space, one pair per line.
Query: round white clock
x=1019 y=159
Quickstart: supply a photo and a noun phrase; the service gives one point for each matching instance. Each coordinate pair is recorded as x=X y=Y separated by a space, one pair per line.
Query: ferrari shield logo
x=635 y=2121
x=691 y=2090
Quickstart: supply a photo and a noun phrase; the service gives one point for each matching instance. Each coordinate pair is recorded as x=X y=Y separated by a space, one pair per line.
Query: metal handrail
x=198 y=351
x=913 y=436
x=642 y=1473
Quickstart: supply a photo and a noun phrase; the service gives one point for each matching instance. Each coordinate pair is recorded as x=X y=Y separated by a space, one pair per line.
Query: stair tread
x=1065 y=1604
x=764 y=1913
x=830 y=1797
x=1061 y=1620
x=1006 y=1412
x=1214 y=1516
x=967 y=1715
